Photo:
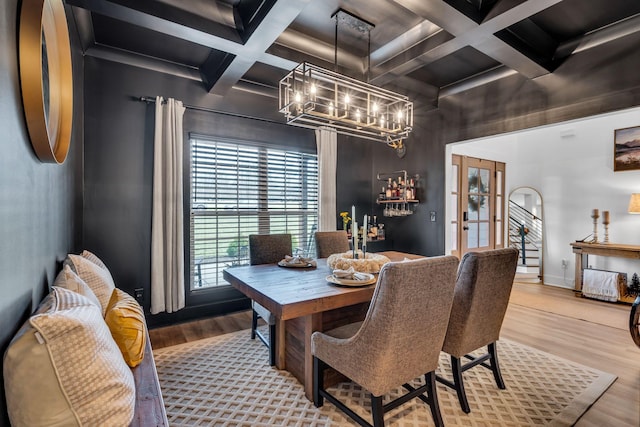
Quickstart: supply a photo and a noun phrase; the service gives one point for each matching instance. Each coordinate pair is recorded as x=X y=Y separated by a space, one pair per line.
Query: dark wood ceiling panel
x=455 y=67
x=217 y=18
x=132 y=38
x=250 y=13
x=390 y=20
x=473 y=9
x=264 y=74
x=430 y=48
x=573 y=18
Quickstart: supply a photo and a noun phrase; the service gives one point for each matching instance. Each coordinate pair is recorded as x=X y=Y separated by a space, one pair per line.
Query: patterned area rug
x=227 y=381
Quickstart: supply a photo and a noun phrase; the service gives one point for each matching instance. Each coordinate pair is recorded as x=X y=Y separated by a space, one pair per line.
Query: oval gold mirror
x=46 y=77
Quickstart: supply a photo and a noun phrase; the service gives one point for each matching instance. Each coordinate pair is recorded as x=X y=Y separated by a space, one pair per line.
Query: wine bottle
x=412 y=185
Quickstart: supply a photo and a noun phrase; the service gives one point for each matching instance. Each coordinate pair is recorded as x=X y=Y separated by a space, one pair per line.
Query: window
x=240 y=188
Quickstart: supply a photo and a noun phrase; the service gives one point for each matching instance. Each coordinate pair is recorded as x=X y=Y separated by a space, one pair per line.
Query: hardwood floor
x=589 y=332
x=198 y=329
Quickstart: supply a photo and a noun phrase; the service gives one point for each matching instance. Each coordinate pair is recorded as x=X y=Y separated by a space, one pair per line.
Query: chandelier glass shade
x=311 y=97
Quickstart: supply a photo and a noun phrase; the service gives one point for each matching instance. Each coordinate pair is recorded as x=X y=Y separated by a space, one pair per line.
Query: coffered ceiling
x=435 y=48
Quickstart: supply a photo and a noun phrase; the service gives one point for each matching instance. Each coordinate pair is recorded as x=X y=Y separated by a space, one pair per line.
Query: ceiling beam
x=579 y=44
x=183 y=71
x=467 y=32
x=275 y=22
x=174 y=29
x=159 y=24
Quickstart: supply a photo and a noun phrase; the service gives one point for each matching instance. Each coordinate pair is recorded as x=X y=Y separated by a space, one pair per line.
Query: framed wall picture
x=626 y=146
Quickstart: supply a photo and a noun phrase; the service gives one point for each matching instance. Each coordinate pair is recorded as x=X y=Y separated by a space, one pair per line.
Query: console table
x=583 y=250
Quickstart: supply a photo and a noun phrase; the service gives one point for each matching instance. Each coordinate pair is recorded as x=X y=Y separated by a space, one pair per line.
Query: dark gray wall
x=360 y=161
x=119 y=166
x=39 y=203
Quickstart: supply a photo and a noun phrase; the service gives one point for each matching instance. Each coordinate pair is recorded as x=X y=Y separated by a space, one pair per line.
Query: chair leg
x=377 y=411
x=495 y=366
x=456 y=370
x=254 y=324
x=432 y=394
x=318 y=382
x=272 y=345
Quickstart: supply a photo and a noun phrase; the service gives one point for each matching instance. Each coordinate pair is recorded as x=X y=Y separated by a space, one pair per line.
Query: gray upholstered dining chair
x=480 y=302
x=398 y=341
x=331 y=242
x=267 y=249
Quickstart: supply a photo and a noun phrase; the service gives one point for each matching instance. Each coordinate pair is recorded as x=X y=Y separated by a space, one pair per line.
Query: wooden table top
x=293 y=292
x=607 y=249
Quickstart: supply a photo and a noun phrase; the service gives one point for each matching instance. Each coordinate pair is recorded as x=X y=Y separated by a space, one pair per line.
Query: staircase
x=525 y=234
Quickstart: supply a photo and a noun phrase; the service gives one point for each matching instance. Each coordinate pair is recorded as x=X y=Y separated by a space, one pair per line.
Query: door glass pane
x=484 y=208
x=473 y=208
x=483 y=234
x=499 y=183
x=454 y=178
x=454 y=237
x=484 y=181
x=498 y=233
x=473 y=180
x=454 y=207
x=498 y=208
x=472 y=236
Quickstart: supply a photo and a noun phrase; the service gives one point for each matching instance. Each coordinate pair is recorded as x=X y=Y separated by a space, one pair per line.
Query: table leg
x=312 y=323
x=578 y=273
x=280 y=344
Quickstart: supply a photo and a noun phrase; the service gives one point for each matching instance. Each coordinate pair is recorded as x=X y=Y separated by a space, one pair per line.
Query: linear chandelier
x=311 y=96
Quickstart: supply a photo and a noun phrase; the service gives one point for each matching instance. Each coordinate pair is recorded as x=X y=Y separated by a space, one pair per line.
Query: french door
x=477 y=204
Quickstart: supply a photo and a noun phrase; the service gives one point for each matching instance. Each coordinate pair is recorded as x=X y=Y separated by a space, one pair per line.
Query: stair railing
x=524 y=228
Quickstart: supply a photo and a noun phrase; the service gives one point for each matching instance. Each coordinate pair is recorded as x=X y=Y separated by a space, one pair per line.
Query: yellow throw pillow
x=63 y=368
x=125 y=319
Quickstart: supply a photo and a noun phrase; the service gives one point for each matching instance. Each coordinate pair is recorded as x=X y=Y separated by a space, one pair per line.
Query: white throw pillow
x=93 y=258
x=69 y=280
x=96 y=277
x=64 y=368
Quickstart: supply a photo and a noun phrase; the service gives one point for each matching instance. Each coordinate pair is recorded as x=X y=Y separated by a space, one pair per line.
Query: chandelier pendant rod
x=335 y=47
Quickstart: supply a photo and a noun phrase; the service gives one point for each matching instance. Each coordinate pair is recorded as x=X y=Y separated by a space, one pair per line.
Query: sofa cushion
x=97 y=278
x=69 y=280
x=63 y=368
x=125 y=319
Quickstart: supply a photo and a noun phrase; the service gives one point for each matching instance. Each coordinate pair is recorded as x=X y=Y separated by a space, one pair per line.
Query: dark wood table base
x=298 y=341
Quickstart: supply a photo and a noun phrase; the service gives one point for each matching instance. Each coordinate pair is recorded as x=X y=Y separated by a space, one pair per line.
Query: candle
x=605 y=217
x=595 y=214
x=354 y=230
x=355 y=240
x=364 y=236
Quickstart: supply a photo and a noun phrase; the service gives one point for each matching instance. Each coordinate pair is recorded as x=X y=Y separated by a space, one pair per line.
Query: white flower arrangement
x=371 y=264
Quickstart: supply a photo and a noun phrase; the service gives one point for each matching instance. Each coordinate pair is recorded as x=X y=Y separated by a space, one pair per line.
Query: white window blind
x=238 y=189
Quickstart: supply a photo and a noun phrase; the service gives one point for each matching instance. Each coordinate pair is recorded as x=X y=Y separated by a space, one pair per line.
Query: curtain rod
x=149 y=99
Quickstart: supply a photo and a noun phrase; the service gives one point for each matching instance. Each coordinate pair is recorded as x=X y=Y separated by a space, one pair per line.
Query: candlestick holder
x=354 y=244
x=606 y=231
x=595 y=217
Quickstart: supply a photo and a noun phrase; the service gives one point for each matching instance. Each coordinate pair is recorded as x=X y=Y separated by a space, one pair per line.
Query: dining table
x=304 y=301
